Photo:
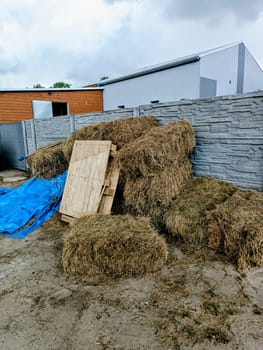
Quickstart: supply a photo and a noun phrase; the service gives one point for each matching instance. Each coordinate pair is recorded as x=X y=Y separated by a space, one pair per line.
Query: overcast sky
x=44 y=41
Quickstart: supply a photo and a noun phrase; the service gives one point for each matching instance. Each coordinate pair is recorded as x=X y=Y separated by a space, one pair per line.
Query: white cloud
x=80 y=41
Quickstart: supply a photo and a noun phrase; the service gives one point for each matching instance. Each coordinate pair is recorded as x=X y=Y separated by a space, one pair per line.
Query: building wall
x=17 y=106
x=253 y=76
x=228 y=71
x=221 y=66
x=229 y=133
x=168 y=85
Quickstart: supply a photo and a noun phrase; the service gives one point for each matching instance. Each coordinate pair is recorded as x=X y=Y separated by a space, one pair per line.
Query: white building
x=226 y=70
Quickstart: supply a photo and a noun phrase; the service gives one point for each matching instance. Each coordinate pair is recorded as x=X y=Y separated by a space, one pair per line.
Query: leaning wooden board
x=85 y=180
x=112 y=177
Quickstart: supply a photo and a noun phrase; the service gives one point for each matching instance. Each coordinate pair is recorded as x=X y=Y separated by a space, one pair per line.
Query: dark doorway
x=59 y=108
x=4 y=161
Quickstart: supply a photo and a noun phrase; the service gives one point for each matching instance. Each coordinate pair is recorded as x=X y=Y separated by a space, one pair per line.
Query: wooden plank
x=69 y=219
x=108 y=192
x=85 y=180
x=113 y=150
x=112 y=175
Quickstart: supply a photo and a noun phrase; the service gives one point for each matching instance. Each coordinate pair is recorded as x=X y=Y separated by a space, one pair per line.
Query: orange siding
x=16 y=106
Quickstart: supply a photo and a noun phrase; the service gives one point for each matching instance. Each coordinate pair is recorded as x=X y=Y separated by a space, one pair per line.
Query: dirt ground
x=197 y=301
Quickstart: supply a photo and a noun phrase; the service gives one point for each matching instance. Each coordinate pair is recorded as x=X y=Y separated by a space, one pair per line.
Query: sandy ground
x=197 y=301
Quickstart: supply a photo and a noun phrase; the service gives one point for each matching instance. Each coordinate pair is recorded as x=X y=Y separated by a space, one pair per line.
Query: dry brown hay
x=119 y=131
x=55 y=226
x=151 y=195
x=156 y=149
x=48 y=161
x=115 y=246
x=155 y=168
x=185 y=217
x=235 y=228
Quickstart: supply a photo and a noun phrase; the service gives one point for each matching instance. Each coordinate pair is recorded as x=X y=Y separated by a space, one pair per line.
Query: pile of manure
x=47 y=162
x=185 y=219
x=119 y=131
x=155 y=168
x=115 y=246
x=235 y=228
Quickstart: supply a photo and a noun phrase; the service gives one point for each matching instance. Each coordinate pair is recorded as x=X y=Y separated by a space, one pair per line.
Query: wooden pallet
x=91 y=182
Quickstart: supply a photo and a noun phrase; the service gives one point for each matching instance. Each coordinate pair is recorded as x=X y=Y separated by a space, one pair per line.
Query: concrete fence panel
x=229 y=133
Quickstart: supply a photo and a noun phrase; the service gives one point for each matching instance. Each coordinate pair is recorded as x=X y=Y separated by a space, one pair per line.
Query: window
x=49 y=109
x=59 y=108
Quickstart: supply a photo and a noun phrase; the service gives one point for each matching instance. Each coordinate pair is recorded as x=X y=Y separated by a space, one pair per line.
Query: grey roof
x=167 y=65
x=152 y=69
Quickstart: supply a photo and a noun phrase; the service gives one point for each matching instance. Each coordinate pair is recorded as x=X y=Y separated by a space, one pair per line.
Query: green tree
x=61 y=84
x=104 y=77
x=38 y=86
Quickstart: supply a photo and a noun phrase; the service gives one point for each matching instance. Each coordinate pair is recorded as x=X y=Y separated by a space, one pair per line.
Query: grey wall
x=167 y=85
x=229 y=133
x=222 y=66
x=253 y=74
x=42 y=132
x=207 y=87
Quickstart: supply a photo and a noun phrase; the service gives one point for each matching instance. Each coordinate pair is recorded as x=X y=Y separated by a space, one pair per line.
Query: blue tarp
x=24 y=209
x=4 y=190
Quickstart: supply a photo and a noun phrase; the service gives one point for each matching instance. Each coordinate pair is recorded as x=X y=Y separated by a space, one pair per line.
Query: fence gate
x=12 y=146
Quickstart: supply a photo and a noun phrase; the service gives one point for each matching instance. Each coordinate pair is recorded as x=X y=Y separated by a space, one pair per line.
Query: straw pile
x=185 y=219
x=158 y=148
x=119 y=131
x=155 y=168
x=147 y=193
x=48 y=161
x=235 y=228
x=116 y=246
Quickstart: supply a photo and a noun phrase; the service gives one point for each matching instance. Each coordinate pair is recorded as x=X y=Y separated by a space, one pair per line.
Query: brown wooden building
x=24 y=104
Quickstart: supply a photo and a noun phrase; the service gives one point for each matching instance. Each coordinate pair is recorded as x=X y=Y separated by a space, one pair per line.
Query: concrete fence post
x=138 y=111
x=33 y=131
x=25 y=138
x=72 y=123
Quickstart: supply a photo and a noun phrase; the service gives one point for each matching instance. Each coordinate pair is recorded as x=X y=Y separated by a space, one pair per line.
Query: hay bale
x=158 y=148
x=155 y=168
x=48 y=161
x=185 y=219
x=235 y=228
x=150 y=195
x=116 y=246
x=119 y=131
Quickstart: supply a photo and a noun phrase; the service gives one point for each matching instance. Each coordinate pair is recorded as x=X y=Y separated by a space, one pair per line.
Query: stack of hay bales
x=115 y=246
x=119 y=131
x=235 y=228
x=155 y=168
x=185 y=219
x=49 y=161
x=52 y=160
